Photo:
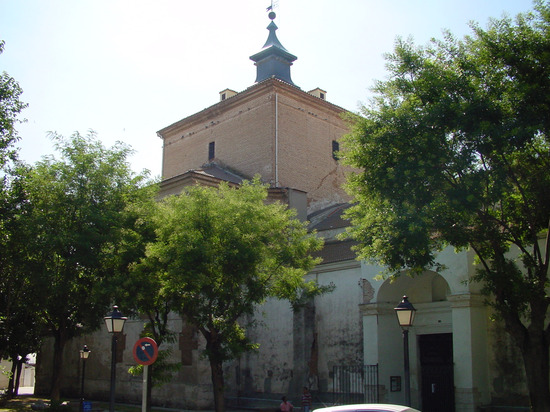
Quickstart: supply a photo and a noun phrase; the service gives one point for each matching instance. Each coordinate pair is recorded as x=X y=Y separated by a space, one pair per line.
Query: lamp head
x=405 y=313
x=115 y=321
x=85 y=352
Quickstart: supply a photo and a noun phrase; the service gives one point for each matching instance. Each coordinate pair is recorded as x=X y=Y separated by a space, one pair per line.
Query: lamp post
x=84 y=353
x=115 y=323
x=405 y=316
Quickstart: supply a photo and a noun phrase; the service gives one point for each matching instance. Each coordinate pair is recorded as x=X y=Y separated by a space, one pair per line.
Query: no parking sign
x=145 y=351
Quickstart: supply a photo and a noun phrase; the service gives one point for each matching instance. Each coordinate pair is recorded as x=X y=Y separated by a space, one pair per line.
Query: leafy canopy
x=223 y=250
x=454 y=150
x=81 y=215
x=83 y=221
x=10 y=108
x=19 y=325
x=453 y=144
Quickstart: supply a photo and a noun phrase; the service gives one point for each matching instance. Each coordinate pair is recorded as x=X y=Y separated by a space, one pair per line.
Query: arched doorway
x=430 y=341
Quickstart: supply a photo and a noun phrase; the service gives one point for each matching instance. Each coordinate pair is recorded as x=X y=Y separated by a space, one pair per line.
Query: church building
x=346 y=346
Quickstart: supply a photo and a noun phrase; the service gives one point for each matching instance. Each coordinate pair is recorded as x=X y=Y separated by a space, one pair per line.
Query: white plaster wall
x=27 y=374
x=459 y=267
x=338 y=321
x=390 y=361
x=271 y=366
x=5 y=368
x=338 y=329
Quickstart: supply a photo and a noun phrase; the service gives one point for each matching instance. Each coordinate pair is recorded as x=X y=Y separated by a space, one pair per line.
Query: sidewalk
x=24 y=400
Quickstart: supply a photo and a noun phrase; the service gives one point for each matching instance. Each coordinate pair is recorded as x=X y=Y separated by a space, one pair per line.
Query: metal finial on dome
x=272 y=14
x=273 y=61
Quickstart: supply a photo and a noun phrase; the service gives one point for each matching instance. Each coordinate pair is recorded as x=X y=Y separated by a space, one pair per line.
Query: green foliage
x=143 y=293
x=79 y=218
x=82 y=219
x=162 y=370
x=222 y=251
x=20 y=328
x=455 y=150
x=10 y=108
x=5 y=372
x=19 y=324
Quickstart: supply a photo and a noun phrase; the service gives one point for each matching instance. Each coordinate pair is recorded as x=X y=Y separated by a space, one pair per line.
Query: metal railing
x=355 y=384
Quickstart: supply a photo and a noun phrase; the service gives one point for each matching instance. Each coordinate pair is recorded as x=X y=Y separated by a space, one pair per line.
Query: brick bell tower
x=273 y=129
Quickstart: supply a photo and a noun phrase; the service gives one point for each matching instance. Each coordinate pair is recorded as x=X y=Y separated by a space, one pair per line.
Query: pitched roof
x=329 y=218
x=214 y=170
x=336 y=251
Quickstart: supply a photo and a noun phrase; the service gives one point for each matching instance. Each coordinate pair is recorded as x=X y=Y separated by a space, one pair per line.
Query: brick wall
x=272 y=129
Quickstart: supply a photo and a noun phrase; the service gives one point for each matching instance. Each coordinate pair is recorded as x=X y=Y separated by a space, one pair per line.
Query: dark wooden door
x=436 y=368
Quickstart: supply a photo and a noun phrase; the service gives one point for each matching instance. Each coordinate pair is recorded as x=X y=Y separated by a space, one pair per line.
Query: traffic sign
x=145 y=351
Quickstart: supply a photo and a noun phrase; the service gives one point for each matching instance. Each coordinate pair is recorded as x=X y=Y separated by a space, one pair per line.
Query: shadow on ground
x=25 y=403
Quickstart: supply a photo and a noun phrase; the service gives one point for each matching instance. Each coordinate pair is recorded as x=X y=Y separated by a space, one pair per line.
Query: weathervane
x=274 y=3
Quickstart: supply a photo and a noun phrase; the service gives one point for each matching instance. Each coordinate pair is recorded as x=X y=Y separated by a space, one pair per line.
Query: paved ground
x=25 y=401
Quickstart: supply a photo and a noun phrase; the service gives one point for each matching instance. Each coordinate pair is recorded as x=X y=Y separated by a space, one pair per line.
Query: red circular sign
x=145 y=351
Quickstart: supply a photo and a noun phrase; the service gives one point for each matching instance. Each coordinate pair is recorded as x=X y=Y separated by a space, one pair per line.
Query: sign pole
x=144 y=394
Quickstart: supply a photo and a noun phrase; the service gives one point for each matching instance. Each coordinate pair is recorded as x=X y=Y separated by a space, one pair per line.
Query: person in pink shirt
x=286 y=406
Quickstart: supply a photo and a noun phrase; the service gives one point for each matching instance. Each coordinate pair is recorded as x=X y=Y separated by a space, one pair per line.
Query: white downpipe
x=276 y=140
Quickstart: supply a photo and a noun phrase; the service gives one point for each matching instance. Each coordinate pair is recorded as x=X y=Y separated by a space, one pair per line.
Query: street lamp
x=114 y=322
x=405 y=316
x=84 y=353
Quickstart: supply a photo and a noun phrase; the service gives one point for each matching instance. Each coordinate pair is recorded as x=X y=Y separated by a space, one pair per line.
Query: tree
x=143 y=293
x=10 y=108
x=19 y=325
x=455 y=150
x=81 y=216
x=222 y=251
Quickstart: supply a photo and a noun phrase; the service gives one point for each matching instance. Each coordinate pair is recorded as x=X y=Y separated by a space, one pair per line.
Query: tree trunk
x=59 y=344
x=218 y=384
x=213 y=348
x=20 y=363
x=535 y=359
x=11 y=382
x=532 y=339
x=534 y=347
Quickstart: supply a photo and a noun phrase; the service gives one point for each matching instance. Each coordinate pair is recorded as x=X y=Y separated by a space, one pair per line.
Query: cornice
x=336 y=266
x=258 y=89
x=467 y=300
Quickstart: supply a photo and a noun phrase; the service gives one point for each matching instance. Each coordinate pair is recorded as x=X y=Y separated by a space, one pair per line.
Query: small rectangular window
x=335 y=150
x=211 y=150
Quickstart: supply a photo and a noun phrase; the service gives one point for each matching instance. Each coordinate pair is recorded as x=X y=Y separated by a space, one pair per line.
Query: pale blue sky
x=127 y=68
